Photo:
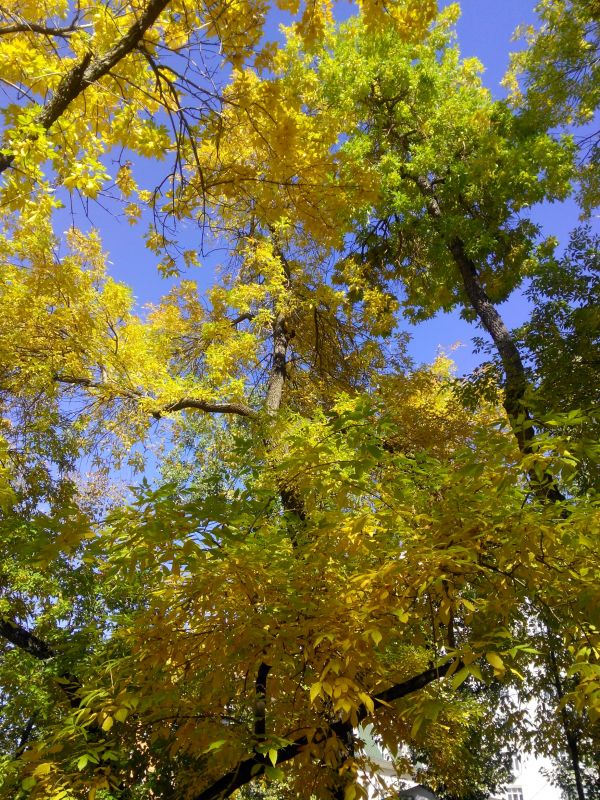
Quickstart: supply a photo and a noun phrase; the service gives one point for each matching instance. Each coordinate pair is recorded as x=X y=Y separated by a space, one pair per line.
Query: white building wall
x=530 y=783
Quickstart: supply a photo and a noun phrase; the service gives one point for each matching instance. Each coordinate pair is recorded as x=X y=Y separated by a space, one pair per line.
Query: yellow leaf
x=368 y=701
x=496 y=662
x=460 y=677
x=375 y=635
x=350 y=792
x=315 y=691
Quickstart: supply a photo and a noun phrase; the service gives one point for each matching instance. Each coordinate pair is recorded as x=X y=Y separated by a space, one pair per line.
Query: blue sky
x=485 y=30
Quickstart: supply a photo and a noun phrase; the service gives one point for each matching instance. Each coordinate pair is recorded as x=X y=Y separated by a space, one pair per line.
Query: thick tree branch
x=254 y=766
x=290 y=498
x=281 y=339
x=91 y=69
x=247 y=317
x=514 y=370
x=210 y=408
x=240 y=409
x=25 y=640
x=515 y=383
x=277 y=376
x=260 y=702
x=282 y=335
x=38 y=648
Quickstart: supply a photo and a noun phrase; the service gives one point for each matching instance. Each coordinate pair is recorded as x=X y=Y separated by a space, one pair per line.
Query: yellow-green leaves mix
x=239 y=525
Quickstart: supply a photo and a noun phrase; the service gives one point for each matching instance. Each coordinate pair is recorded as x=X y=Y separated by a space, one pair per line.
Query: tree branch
x=25 y=735
x=277 y=376
x=260 y=702
x=33 y=27
x=405 y=688
x=515 y=383
x=38 y=648
x=254 y=766
x=210 y=408
x=240 y=409
x=25 y=640
x=247 y=317
x=91 y=69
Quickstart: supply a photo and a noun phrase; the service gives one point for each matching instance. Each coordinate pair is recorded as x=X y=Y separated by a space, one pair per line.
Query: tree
x=555 y=78
x=491 y=736
x=561 y=339
x=569 y=737
x=336 y=538
x=452 y=219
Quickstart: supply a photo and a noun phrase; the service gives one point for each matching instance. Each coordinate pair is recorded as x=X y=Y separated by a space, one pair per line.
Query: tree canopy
x=322 y=535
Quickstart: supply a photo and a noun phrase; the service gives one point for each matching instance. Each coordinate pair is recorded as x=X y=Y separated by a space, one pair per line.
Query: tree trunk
x=571 y=735
x=515 y=378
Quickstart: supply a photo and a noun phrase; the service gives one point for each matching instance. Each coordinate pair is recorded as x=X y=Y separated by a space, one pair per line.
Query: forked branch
x=90 y=69
x=255 y=765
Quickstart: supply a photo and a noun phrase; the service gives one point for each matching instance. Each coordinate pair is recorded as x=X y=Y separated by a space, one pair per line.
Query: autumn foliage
x=320 y=535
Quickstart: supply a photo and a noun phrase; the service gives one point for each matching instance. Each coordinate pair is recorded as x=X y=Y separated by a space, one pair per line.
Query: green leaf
x=274 y=773
x=121 y=714
x=215 y=745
